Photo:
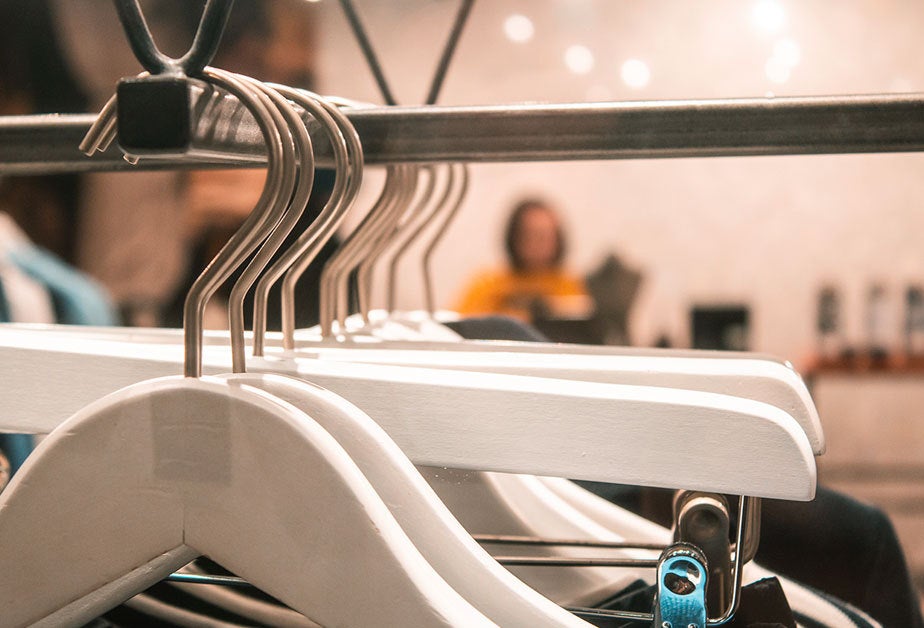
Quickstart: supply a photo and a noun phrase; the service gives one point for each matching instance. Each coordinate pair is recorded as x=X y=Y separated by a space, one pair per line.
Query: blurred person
x=535 y=283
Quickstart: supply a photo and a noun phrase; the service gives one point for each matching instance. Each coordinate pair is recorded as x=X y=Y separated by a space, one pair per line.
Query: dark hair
x=512 y=232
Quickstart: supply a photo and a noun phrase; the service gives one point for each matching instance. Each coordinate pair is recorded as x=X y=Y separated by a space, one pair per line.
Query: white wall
x=763 y=231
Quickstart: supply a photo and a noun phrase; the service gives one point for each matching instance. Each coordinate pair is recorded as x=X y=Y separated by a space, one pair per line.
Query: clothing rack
x=223 y=137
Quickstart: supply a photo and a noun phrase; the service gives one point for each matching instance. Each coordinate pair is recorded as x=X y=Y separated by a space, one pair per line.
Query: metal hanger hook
x=200 y=53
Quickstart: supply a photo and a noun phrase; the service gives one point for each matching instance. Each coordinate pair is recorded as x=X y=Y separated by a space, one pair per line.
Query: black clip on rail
x=154 y=112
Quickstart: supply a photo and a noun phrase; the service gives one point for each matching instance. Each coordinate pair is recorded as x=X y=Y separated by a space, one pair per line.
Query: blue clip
x=681 y=598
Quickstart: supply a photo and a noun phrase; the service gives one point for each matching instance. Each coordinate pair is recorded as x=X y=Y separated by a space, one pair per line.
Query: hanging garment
x=25 y=300
x=41 y=288
x=78 y=300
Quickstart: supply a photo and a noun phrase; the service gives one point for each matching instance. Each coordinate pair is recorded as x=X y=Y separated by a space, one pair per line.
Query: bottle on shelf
x=914 y=321
x=878 y=324
x=828 y=324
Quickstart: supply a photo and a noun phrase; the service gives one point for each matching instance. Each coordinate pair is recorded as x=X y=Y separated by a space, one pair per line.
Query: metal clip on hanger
x=682 y=584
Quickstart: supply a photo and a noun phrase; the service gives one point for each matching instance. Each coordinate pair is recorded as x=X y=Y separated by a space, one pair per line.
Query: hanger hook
x=200 y=53
x=404 y=224
x=295 y=200
x=348 y=162
x=255 y=228
x=443 y=202
x=438 y=236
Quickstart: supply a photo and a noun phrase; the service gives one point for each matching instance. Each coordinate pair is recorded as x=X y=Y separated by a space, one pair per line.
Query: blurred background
x=816 y=259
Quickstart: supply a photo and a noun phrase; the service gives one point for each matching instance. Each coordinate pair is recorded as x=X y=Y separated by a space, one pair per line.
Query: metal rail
x=226 y=137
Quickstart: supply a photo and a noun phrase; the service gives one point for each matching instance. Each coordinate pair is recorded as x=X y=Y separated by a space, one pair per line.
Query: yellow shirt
x=511 y=293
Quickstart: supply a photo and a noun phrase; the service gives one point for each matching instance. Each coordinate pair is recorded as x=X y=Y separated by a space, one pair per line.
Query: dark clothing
x=495 y=328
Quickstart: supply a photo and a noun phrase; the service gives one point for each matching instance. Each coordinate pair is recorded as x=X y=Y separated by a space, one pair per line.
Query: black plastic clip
x=154 y=112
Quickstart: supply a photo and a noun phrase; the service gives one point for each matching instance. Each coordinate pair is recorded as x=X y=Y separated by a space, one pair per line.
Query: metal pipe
x=560 y=561
x=225 y=581
x=365 y=45
x=625 y=130
x=506 y=539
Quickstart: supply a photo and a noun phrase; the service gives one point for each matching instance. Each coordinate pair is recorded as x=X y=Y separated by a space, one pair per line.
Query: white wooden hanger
x=469 y=419
x=189 y=461
x=442 y=541
x=750 y=376
x=744 y=375
x=767 y=380
x=599 y=410
x=434 y=531
x=581 y=430
x=139 y=483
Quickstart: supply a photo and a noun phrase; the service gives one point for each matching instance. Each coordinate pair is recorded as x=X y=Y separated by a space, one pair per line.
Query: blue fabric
x=4 y=306
x=16 y=447
x=78 y=299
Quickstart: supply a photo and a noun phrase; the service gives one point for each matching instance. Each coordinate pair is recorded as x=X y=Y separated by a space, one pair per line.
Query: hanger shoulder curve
x=180 y=462
x=443 y=542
